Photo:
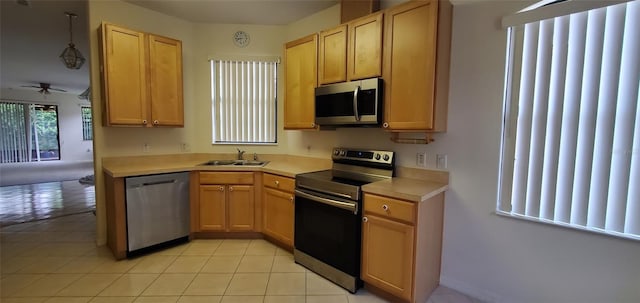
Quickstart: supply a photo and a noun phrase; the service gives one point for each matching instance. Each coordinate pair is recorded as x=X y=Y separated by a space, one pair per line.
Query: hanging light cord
x=71 y=16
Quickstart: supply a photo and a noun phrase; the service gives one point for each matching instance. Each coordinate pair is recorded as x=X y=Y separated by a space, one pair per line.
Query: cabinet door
x=387 y=255
x=124 y=76
x=301 y=77
x=365 y=48
x=241 y=210
x=165 y=81
x=332 y=55
x=409 y=65
x=212 y=208
x=277 y=211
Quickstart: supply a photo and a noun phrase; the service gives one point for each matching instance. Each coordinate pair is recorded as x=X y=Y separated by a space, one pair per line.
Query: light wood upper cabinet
x=141 y=78
x=165 y=81
x=332 y=55
x=416 y=65
x=301 y=79
x=364 y=58
x=351 y=51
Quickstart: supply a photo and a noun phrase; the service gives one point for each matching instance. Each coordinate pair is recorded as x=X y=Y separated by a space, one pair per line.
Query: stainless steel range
x=328 y=213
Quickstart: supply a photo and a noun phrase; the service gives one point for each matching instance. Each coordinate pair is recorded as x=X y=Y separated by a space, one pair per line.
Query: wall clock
x=241 y=39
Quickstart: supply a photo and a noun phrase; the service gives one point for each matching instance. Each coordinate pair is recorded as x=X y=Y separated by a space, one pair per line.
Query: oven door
x=328 y=229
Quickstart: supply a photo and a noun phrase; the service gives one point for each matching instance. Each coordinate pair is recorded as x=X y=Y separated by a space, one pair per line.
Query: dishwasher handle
x=154 y=183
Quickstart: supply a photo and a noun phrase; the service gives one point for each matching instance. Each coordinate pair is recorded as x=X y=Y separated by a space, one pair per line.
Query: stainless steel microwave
x=354 y=103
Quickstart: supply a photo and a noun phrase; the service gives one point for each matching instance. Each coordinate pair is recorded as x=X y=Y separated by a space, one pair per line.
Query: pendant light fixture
x=71 y=57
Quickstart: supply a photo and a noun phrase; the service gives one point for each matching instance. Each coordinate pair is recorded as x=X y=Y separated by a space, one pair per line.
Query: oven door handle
x=344 y=205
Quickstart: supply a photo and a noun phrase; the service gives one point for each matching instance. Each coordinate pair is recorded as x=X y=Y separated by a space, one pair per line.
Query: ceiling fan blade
x=30 y=86
x=57 y=89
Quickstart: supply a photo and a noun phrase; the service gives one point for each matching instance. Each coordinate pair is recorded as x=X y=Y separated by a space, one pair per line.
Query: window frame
x=214 y=118
x=510 y=114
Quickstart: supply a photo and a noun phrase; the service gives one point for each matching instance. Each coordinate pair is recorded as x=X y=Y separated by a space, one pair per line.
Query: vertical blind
x=244 y=101
x=14 y=145
x=571 y=139
x=87 y=134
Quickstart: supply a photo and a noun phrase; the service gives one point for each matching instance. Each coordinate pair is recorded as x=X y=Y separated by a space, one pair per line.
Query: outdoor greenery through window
x=29 y=132
x=244 y=101
x=87 y=134
x=571 y=138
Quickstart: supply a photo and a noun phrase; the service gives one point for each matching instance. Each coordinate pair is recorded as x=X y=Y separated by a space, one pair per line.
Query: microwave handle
x=355 y=103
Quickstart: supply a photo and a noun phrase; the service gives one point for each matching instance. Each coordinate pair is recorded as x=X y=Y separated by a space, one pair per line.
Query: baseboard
x=470 y=290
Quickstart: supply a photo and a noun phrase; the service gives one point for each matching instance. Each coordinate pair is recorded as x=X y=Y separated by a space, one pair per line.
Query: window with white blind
x=87 y=133
x=29 y=132
x=571 y=135
x=244 y=101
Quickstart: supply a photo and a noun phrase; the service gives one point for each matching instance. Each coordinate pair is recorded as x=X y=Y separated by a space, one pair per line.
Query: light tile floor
x=56 y=260
x=30 y=202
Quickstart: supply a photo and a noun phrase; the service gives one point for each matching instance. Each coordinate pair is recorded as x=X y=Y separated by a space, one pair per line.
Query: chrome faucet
x=240 y=153
x=255 y=157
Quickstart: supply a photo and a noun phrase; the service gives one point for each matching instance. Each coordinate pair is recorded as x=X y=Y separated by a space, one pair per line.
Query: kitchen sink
x=234 y=163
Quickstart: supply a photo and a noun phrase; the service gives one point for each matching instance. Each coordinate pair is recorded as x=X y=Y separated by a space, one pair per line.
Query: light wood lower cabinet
x=401 y=246
x=388 y=260
x=213 y=207
x=278 y=208
x=226 y=207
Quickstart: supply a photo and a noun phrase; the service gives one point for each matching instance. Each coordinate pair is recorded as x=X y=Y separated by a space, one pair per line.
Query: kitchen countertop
x=284 y=165
x=416 y=185
x=413 y=190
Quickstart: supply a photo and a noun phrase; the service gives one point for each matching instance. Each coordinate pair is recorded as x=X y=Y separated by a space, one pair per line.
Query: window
x=29 y=132
x=87 y=134
x=571 y=138
x=244 y=101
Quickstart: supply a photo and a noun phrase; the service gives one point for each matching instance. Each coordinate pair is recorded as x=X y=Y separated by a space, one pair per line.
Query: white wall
x=496 y=258
x=72 y=147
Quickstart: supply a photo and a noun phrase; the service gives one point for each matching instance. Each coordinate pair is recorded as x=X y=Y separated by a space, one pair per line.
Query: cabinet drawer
x=390 y=208
x=226 y=178
x=279 y=182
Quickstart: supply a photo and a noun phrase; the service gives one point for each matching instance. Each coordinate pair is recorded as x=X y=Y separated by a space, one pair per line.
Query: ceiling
x=265 y=12
x=33 y=37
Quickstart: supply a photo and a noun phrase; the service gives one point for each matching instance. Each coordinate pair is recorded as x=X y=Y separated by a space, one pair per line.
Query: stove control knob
x=377 y=156
x=342 y=153
x=336 y=152
x=386 y=157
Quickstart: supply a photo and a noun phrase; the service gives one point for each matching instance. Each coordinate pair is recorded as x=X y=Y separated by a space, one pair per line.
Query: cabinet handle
x=385 y=125
x=313 y=125
x=230 y=188
x=365 y=219
x=144 y=122
x=221 y=188
x=291 y=198
x=156 y=122
x=277 y=183
x=385 y=207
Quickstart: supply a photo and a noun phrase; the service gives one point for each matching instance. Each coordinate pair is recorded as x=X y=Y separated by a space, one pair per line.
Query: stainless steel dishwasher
x=157 y=210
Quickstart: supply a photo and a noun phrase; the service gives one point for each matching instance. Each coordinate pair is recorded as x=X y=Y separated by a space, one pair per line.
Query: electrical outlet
x=146 y=147
x=421 y=159
x=185 y=147
x=441 y=161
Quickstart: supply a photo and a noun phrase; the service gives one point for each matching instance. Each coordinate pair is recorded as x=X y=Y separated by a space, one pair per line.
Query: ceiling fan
x=45 y=88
